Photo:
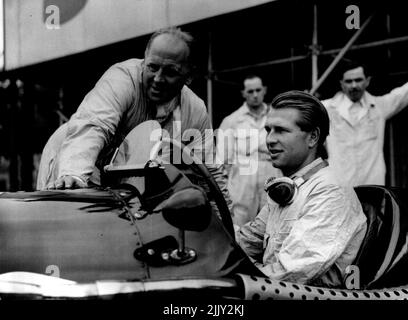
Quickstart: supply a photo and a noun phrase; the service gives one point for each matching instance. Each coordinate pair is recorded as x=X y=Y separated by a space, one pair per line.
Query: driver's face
x=165 y=68
x=289 y=146
x=354 y=83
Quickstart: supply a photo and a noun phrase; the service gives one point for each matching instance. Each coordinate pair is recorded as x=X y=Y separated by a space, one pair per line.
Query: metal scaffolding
x=314 y=54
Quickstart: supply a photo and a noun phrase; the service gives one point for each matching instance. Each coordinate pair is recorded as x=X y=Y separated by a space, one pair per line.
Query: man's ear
x=314 y=137
x=368 y=81
x=343 y=86
x=265 y=89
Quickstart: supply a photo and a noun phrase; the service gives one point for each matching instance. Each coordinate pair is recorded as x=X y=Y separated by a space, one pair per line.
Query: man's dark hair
x=346 y=65
x=177 y=33
x=249 y=77
x=313 y=114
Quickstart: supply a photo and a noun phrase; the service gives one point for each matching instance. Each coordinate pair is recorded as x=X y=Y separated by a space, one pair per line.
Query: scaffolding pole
x=210 y=78
x=292 y=59
x=368 y=45
x=391 y=159
x=314 y=48
x=340 y=55
x=264 y=64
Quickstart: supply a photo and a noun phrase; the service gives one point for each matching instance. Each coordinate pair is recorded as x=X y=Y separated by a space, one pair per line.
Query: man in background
x=242 y=149
x=356 y=140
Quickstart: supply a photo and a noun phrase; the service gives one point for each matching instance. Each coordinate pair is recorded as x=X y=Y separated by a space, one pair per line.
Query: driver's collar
x=301 y=172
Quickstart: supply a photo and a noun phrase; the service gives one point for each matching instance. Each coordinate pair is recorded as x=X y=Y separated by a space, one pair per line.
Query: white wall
x=29 y=39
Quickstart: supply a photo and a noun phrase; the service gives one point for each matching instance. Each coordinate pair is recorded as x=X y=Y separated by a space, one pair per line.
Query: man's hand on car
x=68 y=182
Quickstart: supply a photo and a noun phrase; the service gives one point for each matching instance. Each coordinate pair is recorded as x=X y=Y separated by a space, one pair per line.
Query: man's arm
x=251 y=235
x=93 y=126
x=394 y=102
x=329 y=220
x=225 y=146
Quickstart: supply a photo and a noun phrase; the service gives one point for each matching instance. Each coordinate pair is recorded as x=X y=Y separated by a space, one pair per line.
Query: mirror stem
x=181 y=243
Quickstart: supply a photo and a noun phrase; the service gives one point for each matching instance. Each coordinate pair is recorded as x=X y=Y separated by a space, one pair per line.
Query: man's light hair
x=186 y=37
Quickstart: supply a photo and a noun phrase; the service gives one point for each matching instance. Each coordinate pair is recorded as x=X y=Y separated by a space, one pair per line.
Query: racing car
x=156 y=228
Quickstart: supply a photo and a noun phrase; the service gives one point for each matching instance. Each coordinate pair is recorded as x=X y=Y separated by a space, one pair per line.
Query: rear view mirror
x=188 y=209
